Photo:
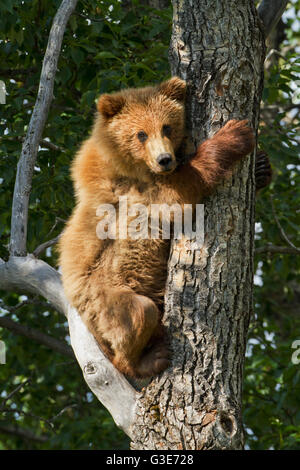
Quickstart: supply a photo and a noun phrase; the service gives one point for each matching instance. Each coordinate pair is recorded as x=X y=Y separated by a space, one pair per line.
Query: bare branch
x=270 y=12
x=49 y=145
x=33 y=301
x=88 y=18
x=23 y=433
x=63 y=411
x=35 y=128
x=282 y=232
x=274 y=52
x=57 y=220
x=43 y=143
x=13 y=392
x=277 y=250
x=291 y=249
x=9 y=73
x=49 y=422
x=37 y=252
x=31 y=333
x=29 y=415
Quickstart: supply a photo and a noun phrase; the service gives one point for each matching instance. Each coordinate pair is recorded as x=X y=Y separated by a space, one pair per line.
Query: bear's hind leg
x=263 y=170
x=125 y=327
x=155 y=357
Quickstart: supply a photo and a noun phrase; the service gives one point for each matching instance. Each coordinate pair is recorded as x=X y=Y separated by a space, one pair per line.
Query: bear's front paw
x=239 y=136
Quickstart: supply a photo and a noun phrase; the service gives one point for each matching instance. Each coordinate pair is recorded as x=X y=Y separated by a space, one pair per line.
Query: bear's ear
x=173 y=88
x=110 y=105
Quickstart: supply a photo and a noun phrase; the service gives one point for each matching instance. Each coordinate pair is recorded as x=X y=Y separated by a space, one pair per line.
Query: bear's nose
x=164 y=160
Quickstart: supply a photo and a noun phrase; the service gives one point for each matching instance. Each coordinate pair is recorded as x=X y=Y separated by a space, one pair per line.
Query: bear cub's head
x=144 y=126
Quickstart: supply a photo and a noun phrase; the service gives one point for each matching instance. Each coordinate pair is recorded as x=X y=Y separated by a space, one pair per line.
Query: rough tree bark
x=218 y=47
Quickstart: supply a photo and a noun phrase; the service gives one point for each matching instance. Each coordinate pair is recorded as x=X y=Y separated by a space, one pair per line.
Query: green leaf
x=77 y=55
x=106 y=55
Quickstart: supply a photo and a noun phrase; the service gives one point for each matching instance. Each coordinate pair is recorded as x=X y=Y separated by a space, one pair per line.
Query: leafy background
x=44 y=401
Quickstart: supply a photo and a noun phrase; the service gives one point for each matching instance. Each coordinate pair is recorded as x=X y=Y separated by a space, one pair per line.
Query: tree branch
x=35 y=276
x=29 y=415
x=23 y=433
x=13 y=392
x=270 y=12
x=88 y=18
x=49 y=422
x=33 y=301
x=35 y=128
x=42 y=338
x=37 y=252
x=277 y=250
x=49 y=145
x=43 y=143
x=10 y=73
x=28 y=274
x=109 y=386
x=282 y=232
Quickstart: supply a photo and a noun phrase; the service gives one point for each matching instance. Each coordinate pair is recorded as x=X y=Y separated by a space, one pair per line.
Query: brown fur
x=118 y=285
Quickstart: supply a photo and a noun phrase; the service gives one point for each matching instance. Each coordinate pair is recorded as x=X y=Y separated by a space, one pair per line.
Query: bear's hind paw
x=154 y=361
x=263 y=170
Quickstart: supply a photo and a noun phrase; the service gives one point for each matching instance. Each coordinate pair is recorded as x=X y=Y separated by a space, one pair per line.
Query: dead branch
x=35 y=129
x=39 y=336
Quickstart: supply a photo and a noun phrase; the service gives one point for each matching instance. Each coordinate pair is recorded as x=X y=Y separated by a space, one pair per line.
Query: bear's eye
x=167 y=130
x=142 y=136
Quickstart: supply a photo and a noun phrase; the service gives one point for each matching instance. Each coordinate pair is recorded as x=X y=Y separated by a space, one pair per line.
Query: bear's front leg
x=216 y=156
x=128 y=329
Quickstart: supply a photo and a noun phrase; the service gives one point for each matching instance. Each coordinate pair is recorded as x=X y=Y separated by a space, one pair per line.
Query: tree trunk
x=218 y=47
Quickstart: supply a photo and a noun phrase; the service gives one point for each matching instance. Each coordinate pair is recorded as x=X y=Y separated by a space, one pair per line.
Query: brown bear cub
x=117 y=284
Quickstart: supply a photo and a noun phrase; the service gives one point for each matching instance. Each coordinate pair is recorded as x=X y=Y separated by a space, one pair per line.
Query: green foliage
x=109 y=45
x=272 y=380
x=55 y=404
